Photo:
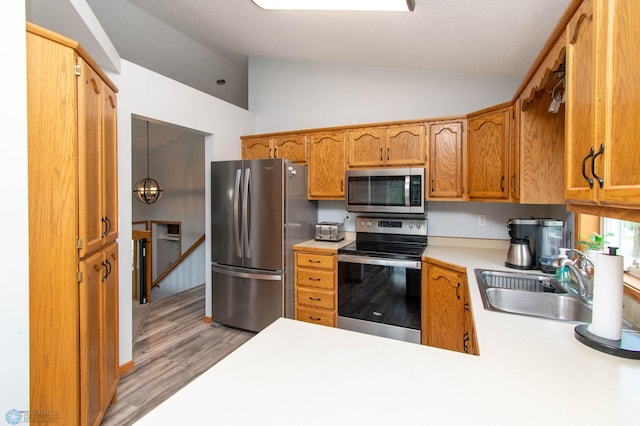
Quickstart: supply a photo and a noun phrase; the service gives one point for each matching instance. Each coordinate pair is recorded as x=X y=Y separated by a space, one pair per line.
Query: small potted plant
x=593 y=244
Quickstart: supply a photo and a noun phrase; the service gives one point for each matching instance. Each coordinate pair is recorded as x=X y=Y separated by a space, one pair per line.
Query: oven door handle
x=366 y=260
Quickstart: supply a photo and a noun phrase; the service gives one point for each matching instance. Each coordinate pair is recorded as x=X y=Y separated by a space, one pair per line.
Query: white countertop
x=530 y=372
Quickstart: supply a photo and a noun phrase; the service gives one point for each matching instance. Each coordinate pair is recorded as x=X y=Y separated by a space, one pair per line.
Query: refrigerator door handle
x=246 y=212
x=236 y=210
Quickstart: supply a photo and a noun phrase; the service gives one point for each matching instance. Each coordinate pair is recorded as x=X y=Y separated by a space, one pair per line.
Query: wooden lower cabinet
x=316 y=296
x=447 y=317
x=98 y=307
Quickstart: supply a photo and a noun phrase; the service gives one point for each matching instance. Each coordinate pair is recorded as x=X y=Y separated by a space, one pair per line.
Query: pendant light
x=148 y=190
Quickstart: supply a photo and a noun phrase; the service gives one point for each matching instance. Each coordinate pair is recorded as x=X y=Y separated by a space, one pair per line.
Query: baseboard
x=125 y=368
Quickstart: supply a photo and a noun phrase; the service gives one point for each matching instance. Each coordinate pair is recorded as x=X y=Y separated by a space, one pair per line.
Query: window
x=626 y=236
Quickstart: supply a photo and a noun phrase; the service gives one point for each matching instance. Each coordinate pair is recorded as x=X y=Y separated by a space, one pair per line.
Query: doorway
x=176 y=222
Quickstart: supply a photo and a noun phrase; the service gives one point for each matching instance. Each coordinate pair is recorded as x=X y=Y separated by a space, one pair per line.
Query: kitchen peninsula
x=530 y=371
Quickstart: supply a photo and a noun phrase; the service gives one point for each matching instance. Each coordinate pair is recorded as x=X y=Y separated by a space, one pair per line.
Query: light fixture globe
x=147 y=190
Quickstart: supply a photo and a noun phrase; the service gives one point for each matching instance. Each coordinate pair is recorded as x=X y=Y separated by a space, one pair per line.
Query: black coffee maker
x=522 y=250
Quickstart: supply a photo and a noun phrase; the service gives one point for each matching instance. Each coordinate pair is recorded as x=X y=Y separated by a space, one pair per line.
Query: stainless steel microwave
x=386 y=190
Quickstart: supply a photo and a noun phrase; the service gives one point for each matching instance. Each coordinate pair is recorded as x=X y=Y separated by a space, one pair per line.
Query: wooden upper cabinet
x=619 y=162
x=326 y=165
x=405 y=145
x=110 y=163
x=256 y=148
x=602 y=114
x=366 y=147
x=581 y=79
x=488 y=144
x=98 y=170
x=292 y=147
x=401 y=145
x=446 y=162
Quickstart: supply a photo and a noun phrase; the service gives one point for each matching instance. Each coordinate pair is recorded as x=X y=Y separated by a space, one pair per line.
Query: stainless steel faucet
x=581 y=268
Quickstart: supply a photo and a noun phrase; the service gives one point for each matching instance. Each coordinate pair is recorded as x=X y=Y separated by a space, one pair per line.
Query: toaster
x=329 y=231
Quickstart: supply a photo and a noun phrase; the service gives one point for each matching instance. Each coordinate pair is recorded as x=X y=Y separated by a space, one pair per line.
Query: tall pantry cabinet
x=73 y=253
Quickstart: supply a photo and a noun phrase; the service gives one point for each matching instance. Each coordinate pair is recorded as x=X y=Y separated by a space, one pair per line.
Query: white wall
x=148 y=94
x=14 y=256
x=291 y=95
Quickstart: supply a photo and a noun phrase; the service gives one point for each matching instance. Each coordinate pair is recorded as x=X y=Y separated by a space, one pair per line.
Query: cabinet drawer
x=316 y=316
x=315 y=278
x=316 y=298
x=315 y=260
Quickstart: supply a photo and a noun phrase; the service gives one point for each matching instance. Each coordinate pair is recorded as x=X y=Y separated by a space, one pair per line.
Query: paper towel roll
x=608 y=289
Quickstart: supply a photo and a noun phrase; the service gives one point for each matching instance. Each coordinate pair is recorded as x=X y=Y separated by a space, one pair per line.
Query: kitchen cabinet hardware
x=315 y=299
x=465 y=342
x=593 y=165
x=584 y=166
x=502 y=183
x=313 y=279
x=381 y=155
x=314 y=261
x=315 y=318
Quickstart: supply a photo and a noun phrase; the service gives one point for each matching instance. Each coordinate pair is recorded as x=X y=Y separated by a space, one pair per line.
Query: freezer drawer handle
x=240 y=274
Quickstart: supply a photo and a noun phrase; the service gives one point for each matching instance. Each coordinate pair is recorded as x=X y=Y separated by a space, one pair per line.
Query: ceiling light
x=356 y=5
x=147 y=190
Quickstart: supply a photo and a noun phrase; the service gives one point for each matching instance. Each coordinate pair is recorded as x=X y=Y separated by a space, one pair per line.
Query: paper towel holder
x=627 y=347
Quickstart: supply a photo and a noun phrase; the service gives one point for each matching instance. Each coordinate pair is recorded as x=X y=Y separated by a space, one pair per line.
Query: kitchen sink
x=546 y=305
x=535 y=295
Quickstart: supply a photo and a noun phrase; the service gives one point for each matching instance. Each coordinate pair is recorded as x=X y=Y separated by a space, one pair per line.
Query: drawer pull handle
x=315 y=318
x=314 y=261
x=315 y=299
x=314 y=279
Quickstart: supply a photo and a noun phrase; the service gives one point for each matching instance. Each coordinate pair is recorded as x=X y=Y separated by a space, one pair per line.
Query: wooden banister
x=178 y=261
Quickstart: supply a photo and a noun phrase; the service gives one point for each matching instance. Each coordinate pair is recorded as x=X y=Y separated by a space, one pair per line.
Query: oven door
x=380 y=296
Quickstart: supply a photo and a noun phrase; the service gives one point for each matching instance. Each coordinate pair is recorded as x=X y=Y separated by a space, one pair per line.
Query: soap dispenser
x=562 y=270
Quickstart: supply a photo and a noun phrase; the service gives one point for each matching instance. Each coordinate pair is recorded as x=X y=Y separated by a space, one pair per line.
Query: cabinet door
x=514 y=152
x=93 y=273
x=109 y=327
x=580 y=107
x=618 y=165
x=90 y=105
x=488 y=140
x=110 y=164
x=326 y=166
x=443 y=316
x=405 y=145
x=365 y=147
x=446 y=160
x=256 y=148
x=292 y=147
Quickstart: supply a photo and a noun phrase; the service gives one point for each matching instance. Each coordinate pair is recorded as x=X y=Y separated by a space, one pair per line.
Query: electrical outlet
x=482 y=220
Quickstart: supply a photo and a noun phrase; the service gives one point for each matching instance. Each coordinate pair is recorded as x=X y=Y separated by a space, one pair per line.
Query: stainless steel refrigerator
x=259 y=210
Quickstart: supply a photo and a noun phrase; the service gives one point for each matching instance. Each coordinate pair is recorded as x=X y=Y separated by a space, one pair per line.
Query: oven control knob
x=418 y=225
x=410 y=225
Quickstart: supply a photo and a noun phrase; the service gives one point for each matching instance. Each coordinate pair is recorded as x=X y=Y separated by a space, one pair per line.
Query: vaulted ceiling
x=199 y=42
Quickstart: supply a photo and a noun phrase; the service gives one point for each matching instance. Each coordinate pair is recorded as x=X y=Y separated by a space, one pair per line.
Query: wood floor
x=174 y=347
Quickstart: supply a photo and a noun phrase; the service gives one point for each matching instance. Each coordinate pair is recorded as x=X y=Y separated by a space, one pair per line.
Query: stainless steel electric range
x=379 y=278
